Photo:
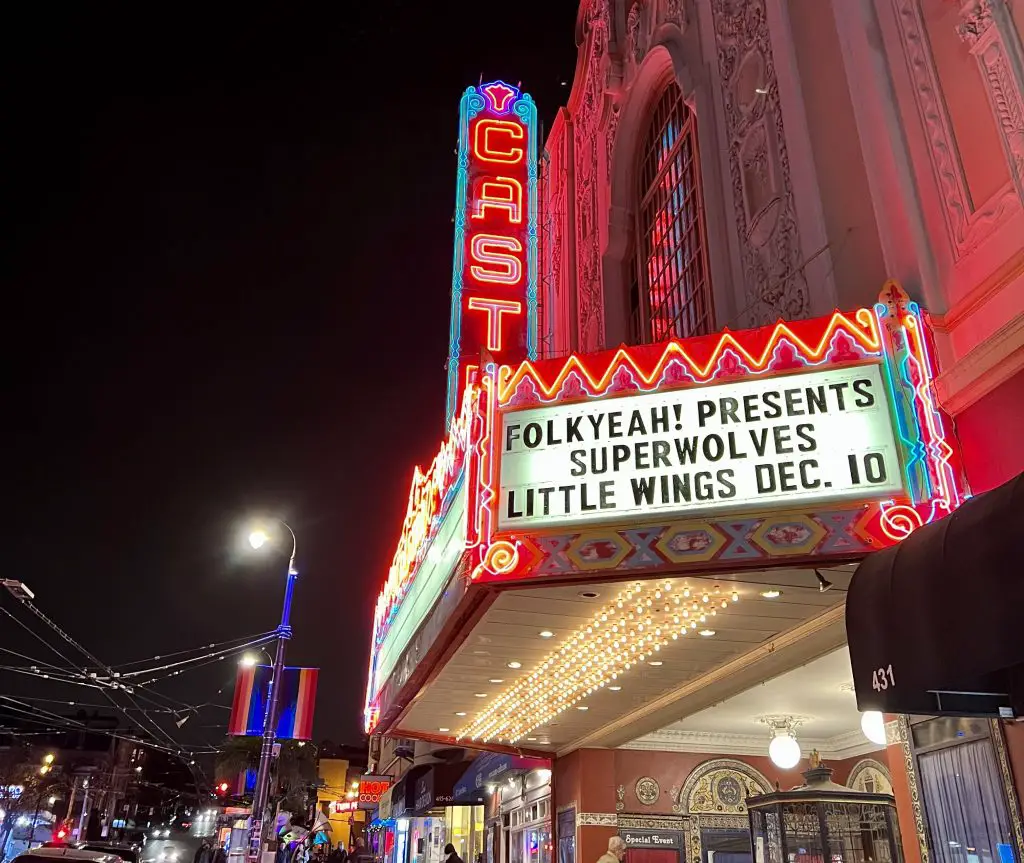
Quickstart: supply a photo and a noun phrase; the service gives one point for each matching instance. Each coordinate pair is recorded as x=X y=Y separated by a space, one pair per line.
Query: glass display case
x=822 y=822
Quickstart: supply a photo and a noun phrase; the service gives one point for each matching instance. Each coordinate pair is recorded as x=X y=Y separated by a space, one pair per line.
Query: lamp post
x=257 y=539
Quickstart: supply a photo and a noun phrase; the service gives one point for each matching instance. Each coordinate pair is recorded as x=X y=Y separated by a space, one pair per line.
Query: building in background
x=725 y=174
x=338 y=770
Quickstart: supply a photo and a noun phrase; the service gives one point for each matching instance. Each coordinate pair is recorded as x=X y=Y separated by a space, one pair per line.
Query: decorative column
x=986 y=27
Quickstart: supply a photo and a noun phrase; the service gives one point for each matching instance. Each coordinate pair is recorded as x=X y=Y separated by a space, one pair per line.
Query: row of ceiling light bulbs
x=784 y=749
x=632 y=629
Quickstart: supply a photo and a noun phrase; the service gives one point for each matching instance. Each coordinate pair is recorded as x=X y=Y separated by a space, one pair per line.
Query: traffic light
x=222 y=789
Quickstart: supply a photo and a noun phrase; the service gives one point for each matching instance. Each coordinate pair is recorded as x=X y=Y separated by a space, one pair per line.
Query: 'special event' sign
x=821 y=435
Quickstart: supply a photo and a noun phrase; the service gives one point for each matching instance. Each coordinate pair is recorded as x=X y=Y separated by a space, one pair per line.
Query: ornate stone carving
x=554 y=227
x=975 y=19
x=620 y=798
x=647 y=790
x=759 y=165
x=967 y=226
x=1007 y=103
x=870 y=776
x=651 y=822
x=613 y=126
x=588 y=116
x=675 y=13
x=720 y=787
x=639 y=29
x=597 y=819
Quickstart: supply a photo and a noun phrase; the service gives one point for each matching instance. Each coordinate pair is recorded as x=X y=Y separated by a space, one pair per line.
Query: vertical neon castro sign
x=494 y=281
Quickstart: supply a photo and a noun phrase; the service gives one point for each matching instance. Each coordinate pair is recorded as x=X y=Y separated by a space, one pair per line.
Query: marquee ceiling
x=755 y=639
x=819 y=696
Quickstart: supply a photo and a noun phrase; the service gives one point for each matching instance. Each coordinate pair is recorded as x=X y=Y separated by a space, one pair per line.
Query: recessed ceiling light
x=531 y=738
x=588 y=594
x=444 y=729
x=655 y=662
x=707 y=633
x=614 y=688
x=582 y=707
x=496 y=680
x=771 y=593
x=479 y=694
x=546 y=633
x=514 y=664
x=460 y=712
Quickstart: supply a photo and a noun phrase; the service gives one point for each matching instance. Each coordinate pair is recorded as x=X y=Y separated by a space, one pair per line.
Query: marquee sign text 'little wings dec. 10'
x=822 y=435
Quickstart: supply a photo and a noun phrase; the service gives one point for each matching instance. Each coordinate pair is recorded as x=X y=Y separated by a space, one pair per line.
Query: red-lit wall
x=588 y=778
x=990 y=438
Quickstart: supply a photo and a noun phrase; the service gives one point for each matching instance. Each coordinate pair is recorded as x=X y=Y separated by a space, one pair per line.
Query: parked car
x=65 y=853
x=126 y=851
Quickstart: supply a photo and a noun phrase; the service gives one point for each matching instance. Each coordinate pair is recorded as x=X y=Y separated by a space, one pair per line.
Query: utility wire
x=33 y=672
x=217 y=646
x=33 y=660
x=93 y=659
x=44 y=717
x=257 y=640
x=36 y=635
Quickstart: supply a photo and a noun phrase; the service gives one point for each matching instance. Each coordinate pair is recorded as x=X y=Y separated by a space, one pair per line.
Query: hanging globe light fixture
x=872 y=723
x=783 y=750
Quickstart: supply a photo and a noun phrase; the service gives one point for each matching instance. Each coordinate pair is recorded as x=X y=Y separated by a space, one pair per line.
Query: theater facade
x=750 y=324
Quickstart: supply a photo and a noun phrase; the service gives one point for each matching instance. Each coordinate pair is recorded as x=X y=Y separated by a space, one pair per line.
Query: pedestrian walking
x=203 y=853
x=338 y=854
x=450 y=854
x=220 y=855
x=616 y=851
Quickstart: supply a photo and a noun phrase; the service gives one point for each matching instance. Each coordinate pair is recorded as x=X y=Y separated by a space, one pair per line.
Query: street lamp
x=259 y=537
x=249 y=660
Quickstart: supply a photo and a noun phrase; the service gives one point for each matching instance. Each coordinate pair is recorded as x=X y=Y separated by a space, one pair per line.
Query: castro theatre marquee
x=646 y=494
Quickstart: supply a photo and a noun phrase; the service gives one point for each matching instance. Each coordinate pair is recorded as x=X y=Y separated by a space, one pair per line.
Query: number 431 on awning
x=882 y=678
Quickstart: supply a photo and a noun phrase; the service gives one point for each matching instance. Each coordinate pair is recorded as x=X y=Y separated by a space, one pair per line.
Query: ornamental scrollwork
x=759 y=166
x=720 y=787
x=647 y=790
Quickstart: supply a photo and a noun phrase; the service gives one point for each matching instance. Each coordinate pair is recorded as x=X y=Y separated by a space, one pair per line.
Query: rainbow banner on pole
x=295 y=707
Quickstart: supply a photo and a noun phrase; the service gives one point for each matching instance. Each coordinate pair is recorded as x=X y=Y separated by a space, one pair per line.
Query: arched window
x=670 y=290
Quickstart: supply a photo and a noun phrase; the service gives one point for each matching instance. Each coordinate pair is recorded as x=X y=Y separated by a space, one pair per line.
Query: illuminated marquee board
x=494 y=282
x=824 y=431
x=771 y=441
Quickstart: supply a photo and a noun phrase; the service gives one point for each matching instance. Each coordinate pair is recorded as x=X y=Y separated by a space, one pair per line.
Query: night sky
x=227 y=291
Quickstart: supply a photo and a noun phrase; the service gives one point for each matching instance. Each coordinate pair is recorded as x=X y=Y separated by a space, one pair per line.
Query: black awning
x=936 y=624
x=403 y=792
x=436 y=787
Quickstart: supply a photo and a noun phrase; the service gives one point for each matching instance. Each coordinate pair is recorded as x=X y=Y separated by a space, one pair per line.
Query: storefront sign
x=340 y=807
x=370 y=790
x=491 y=767
x=435 y=788
x=650 y=839
x=494 y=283
x=765 y=441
